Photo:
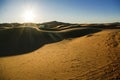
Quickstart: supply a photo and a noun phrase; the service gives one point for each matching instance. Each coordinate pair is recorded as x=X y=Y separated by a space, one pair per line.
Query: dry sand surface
x=90 y=57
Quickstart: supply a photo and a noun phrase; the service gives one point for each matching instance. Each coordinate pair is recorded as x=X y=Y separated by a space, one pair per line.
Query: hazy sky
x=75 y=11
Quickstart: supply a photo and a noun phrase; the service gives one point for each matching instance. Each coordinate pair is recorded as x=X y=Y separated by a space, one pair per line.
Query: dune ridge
x=15 y=41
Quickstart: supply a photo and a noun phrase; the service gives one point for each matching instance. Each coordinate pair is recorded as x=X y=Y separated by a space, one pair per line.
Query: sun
x=29 y=16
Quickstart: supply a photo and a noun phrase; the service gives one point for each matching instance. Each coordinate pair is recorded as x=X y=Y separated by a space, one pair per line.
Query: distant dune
x=62 y=52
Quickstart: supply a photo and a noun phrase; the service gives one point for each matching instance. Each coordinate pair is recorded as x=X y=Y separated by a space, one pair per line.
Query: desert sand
x=90 y=53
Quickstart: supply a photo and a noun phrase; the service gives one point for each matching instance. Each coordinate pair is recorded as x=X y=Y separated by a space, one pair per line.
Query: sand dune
x=15 y=41
x=93 y=55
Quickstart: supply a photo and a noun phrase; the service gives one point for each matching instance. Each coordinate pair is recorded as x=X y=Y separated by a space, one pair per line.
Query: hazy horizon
x=71 y=11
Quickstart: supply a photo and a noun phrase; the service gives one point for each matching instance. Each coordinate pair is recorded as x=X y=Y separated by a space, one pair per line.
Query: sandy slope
x=21 y=40
x=91 y=57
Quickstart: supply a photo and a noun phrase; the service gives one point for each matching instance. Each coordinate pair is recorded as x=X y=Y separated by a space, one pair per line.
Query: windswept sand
x=91 y=57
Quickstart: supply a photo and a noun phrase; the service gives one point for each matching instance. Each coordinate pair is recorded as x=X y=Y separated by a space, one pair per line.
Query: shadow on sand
x=22 y=40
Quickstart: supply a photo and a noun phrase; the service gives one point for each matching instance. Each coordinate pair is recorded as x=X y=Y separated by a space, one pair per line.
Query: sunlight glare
x=29 y=16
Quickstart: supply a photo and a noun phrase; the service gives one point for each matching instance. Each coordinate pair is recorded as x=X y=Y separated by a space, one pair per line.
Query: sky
x=72 y=11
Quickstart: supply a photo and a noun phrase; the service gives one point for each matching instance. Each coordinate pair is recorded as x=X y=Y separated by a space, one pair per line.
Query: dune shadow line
x=18 y=41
